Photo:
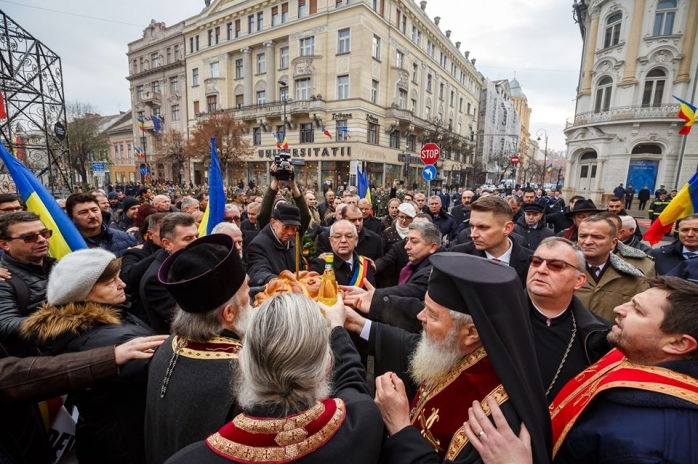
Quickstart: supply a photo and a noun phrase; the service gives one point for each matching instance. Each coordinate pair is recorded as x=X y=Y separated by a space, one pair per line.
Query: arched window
x=587 y=170
x=603 y=94
x=664 y=17
x=647 y=148
x=654 y=88
x=612 y=36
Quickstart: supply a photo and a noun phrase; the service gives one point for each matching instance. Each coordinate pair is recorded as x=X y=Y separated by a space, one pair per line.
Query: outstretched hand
x=137 y=348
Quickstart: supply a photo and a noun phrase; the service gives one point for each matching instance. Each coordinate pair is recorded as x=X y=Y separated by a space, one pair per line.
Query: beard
x=242 y=320
x=433 y=359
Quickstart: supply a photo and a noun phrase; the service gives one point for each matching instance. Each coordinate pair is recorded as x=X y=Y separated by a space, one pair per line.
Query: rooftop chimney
x=437 y=20
x=448 y=34
x=458 y=45
x=423 y=5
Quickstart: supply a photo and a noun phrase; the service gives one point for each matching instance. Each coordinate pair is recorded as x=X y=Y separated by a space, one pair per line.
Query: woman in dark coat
x=86 y=310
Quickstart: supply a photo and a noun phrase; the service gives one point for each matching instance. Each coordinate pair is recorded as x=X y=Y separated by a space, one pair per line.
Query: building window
x=664 y=17
x=427 y=112
x=416 y=36
x=342 y=87
x=411 y=142
x=260 y=21
x=196 y=107
x=177 y=54
x=238 y=68
x=429 y=81
x=212 y=103
x=174 y=84
x=452 y=100
x=303 y=89
x=403 y=22
x=230 y=31
x=169 y=55
x=415 y=72
x=261 y=97
x=283 y=93
x=430 y=48
x=250 y=24
x=274 y=16
x=210 y=37
x=399 y=59
x=283 y=60
x=155 y=86
x=341 y=3
x=139 y=92
x=215 y=69
x=395 y=139
x=603 y=94
x=174 y=112
x=261 y=63
x=237 y=28
x=654 y=88
x=468 y=107
x=341 y=133
x=413 y=105
x=402 y=98
x=256 y=136
x=344 y=40
x=612 y=35
x=441 y=91
x=442 y=59
x=376 y=50
x=307 y=133
x=373 y=132
x=195 y=77
x=307 y=46
x=302 y=8
x=155 y=60
x=239 y=101
x=374 y=91
x=284 y=13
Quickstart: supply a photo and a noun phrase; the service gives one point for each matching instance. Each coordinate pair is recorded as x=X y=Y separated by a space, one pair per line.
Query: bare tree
x=230 y=143
x=170 y=147
x=86 y=141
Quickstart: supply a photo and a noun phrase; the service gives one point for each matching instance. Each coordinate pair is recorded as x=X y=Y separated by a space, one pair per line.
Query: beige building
x=158 y=88
x=520 y=102
x=122 y=158
x=637 y=54
x=378 y=76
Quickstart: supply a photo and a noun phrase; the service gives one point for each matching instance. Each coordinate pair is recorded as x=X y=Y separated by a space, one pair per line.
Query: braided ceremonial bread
x=308 y=284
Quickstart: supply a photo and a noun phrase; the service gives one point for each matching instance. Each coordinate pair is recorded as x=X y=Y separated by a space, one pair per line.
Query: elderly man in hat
x=189 y=395
x=476 y=343
x=582 y=210
x=532 y=225
x=273 y=250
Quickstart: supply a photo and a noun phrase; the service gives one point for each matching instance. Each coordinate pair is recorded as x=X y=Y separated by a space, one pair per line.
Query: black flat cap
x=288 y=214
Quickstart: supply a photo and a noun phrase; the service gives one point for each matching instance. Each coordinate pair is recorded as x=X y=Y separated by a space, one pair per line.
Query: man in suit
x=491 y=222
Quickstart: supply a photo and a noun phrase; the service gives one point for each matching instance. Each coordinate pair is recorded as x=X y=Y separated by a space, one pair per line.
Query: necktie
x=497 y=260
x=405 y=274
x=690 y=255
x=594 y=271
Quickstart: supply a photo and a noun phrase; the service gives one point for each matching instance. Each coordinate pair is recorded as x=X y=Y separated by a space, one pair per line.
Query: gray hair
x=188 y=201
x=628 y=222
x=222 y=227
x=199 y=327
x=434 y=197
x=344 y=222
x=231 y=207
x=285 y=356
x=429 y=232
x=169 y=224
x=578 y=253
x=254 y=205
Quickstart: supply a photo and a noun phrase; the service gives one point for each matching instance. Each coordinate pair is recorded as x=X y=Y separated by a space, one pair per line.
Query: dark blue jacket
x=445 y=200
x=112 y=240
x=667 y=257
x=624 y=425
x=446 y=224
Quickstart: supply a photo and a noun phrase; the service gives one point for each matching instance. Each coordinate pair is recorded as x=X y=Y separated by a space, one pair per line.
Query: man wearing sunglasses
x=568 y=337
x=24 y=239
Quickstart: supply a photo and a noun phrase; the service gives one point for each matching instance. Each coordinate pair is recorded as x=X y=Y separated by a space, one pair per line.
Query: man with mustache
x=24 y=239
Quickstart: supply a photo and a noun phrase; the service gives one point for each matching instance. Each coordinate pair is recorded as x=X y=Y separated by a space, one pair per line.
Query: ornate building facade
x=345 y=81
x=158 y=88
x=637 y=54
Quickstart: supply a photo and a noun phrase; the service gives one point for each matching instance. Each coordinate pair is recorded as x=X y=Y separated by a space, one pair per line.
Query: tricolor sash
x=357 y=280
x=613 y=371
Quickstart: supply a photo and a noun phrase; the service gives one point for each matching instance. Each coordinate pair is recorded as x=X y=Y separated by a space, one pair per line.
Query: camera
x=283 y=163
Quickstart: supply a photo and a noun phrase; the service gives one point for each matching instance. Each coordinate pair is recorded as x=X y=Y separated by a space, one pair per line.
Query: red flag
x=3 y=112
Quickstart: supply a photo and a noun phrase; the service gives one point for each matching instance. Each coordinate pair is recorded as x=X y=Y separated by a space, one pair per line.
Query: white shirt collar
x=505 y=258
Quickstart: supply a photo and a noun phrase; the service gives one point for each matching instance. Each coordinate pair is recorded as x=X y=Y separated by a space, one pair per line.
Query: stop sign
x=514 y=160
x=430 y=153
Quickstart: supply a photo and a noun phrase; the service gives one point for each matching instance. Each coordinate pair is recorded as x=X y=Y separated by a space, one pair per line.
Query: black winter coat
x=369 y=245
x=155 y=300
x=667 y=257
x=113 y=240
x=532 y=237
x=110 y=427
x=518 y=260
x=267 y=257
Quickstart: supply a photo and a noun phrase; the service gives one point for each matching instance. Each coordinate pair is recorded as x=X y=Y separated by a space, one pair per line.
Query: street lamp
x=285 y=100
x=545 y=154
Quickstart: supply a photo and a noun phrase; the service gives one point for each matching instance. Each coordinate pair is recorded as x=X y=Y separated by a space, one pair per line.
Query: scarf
x=401 y=231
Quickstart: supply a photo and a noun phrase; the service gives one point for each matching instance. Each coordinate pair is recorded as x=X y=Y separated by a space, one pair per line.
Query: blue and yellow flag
x=362 y=184
x=66 y=237
x=216 y=195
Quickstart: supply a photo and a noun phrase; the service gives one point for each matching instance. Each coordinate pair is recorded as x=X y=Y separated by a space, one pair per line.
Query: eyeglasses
x=404 y=218
x=555 y=265
x=231 y=219
x=347 y=237
x=32 y=238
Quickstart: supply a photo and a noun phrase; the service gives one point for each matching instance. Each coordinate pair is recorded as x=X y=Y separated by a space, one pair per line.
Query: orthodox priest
x=189 y=395
x=476 y=343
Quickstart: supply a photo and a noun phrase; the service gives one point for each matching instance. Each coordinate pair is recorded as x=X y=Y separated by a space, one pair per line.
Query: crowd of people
x=474 y=326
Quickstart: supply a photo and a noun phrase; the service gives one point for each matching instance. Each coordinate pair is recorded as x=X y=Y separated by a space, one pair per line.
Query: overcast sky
x=535 y=39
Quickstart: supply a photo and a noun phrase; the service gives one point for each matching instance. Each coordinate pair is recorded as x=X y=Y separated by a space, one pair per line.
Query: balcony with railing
x=276 y=109
x=152 y=98
x=623 y=113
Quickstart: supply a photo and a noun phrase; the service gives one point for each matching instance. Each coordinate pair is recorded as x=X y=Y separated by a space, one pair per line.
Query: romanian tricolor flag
x=326 y=132
x=141 y=124
x=216 y=195
x=549 y=169
x=284 y=144
x=688 y=113
x=276 y=139
x=683 y=204
x=66 y=237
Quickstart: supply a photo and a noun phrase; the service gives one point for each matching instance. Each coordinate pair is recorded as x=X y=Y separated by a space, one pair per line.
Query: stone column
x=271 y=71
x=631 y=54
x=599 y=174
x=589 y=53
x=689 y=41
x=247 y=73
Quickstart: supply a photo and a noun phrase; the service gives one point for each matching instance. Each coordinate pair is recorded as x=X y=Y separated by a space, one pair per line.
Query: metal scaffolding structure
x=31 y=82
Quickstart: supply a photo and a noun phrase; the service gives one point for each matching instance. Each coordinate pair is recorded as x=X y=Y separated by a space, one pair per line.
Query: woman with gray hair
x=284 y=387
